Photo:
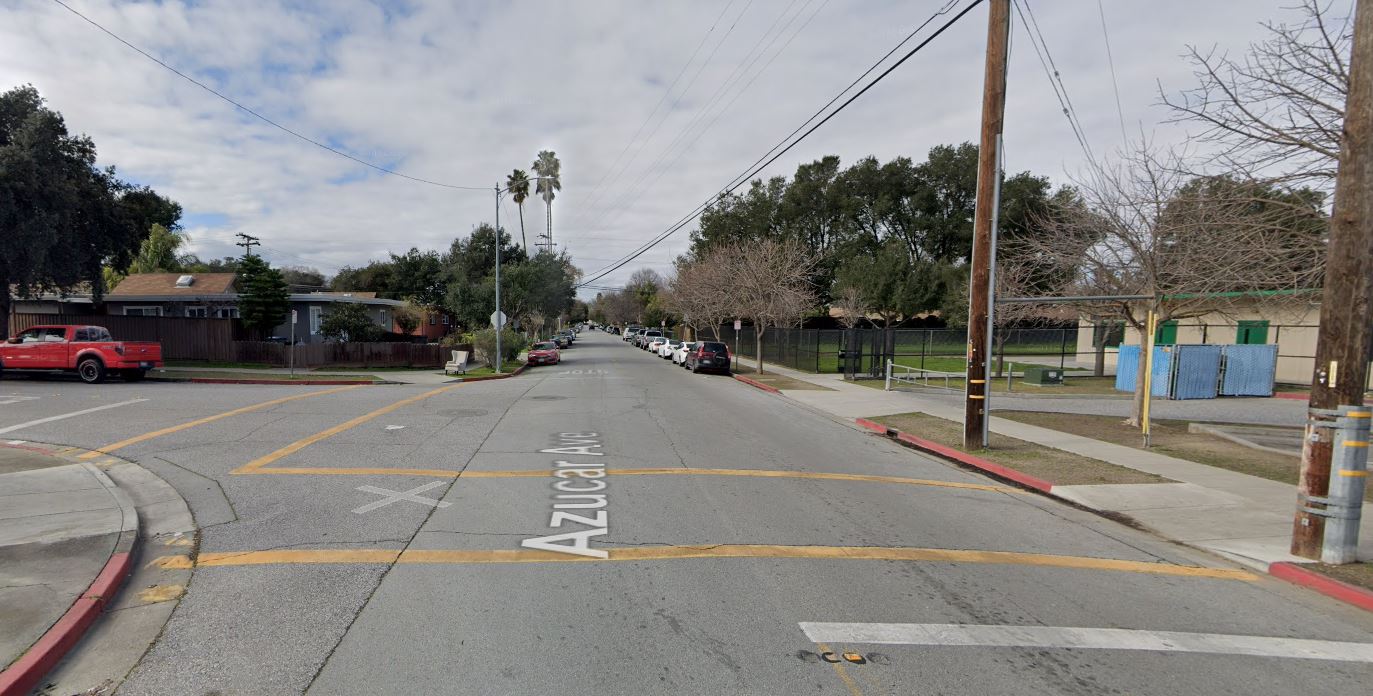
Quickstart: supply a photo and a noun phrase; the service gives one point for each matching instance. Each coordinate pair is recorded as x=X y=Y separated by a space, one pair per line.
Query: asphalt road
x=369 y=541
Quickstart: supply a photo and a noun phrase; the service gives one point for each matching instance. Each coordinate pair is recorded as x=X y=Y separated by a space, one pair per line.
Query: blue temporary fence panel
x=1250 y=370
x=1127 y=364
x=1195 y=372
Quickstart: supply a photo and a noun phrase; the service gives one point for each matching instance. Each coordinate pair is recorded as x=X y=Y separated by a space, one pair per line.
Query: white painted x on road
x=391 y=496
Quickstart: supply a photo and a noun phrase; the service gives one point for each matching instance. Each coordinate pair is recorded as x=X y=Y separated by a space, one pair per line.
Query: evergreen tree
x=263 y=298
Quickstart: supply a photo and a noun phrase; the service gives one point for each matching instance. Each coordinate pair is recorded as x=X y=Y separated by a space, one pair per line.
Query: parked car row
x=697 y=356
x=550 y=352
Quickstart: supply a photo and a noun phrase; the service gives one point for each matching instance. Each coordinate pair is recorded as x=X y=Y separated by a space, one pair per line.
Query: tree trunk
x=758 y=343
x=524 y=240
x=1099 y=369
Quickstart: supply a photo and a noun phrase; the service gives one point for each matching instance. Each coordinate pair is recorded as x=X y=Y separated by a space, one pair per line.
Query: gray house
x=215 y=296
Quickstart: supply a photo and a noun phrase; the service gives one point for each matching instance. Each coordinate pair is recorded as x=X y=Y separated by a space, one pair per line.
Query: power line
x=595 y=190
x=259 y=116
x=690 y=83
x=662 y=168
x=1046 y=60
x=1111 y=61
x=755 y=169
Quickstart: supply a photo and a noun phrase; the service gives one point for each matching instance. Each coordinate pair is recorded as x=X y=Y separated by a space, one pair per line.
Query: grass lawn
x=175 y=375
x=1056 y=466
x=782 y=382
x=485 y=370
x=1170 y=437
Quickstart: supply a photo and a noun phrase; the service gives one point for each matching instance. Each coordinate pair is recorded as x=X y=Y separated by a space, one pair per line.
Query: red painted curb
x=22 y=676
x=870 y=425
x=759 y=385
x=962 y=457
x=1327 y=586
x=301 y=382
x=1296 y=396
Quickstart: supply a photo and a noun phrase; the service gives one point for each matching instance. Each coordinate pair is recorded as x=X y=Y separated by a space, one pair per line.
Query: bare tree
x=771 y=282
x=1277 y=113
x=849 y=301
x=702 y=293
x=1193 y=245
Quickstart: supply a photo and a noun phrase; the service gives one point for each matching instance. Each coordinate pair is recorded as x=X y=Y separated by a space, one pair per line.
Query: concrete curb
x=301 y=382
x=1330 y=587
x=756 y=384
x=1291 y=572
x=1295 y=396
x=26 y=672
x=935 y=448
x=516 y=372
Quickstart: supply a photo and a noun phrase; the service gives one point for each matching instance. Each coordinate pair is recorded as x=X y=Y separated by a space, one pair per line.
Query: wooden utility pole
x=979 y=284
x=1342 y=347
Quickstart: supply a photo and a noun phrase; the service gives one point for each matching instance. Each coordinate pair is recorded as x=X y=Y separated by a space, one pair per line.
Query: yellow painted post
x=1151 y=325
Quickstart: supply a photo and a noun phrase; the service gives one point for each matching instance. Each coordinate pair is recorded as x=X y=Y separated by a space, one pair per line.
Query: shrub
x=484 y=344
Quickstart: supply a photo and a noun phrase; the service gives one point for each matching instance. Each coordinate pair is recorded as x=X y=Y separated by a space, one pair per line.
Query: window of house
x=386 y=319
x=226 y=313
x=316 y=317
x=1252 y=332
x=1166 y=334
x=142 y=311
x=433 y=319
x=197 y=312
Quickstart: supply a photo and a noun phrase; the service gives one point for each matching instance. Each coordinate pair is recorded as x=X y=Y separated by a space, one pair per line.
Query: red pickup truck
x=89 y=351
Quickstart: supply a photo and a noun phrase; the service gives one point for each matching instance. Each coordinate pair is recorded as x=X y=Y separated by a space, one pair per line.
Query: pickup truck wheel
x=133 y=375
x=91 y=371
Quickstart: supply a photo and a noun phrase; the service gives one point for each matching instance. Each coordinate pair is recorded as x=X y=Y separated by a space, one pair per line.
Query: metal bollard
x=888 y=385
x=1348 y=476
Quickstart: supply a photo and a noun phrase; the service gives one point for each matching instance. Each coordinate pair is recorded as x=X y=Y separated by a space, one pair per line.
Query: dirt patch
x=783 y=382
x=1055 y=466
x=1357 y=574
x=1171 y=437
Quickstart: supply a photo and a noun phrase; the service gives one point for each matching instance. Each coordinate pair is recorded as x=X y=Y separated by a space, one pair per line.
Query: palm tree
x=518 y=185
x=549 y=169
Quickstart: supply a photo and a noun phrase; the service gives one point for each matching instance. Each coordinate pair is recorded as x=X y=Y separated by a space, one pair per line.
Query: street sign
x=293 y=316
x=498 y=319
x=738 y=324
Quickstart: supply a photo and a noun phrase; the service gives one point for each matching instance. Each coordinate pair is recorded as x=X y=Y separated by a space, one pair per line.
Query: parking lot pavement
x=616 y=524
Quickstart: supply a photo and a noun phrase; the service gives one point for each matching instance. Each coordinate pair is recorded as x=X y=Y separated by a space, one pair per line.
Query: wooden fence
x=181 y=339
x=342 y=354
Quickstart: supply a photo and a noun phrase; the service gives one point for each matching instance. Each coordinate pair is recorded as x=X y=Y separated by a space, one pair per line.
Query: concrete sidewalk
x=66 y=530
x=1245 y=518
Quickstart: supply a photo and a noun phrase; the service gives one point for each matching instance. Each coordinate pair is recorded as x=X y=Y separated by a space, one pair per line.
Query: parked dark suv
x=709 y=356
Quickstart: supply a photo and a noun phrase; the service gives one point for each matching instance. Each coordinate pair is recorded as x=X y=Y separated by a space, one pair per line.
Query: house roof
x=164 y=285
x=363 y=294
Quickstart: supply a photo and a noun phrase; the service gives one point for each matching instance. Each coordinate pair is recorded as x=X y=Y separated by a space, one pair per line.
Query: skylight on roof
x=185 y=281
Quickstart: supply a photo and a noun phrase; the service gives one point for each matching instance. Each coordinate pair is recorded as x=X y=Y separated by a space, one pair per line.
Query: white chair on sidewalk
x=458 y=364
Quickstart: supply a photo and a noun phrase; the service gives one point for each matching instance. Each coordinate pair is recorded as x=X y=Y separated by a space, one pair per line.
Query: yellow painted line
x=299 y=445
x=1353 y=474
x=1359 y=414
x=754 y=473
x=202 y=421
x=840 y=670
x=663 y=553
x=1355 y=443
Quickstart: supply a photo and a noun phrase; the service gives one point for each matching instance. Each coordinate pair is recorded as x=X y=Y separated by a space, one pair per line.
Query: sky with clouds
x=463 y=92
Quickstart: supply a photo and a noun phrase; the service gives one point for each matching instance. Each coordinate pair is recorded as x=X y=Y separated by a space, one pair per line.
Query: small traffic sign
x=498 y=319
x=738 y=324
x=293 y=316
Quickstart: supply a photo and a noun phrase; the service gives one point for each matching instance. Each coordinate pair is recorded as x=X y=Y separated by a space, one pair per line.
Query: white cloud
x=463 y=93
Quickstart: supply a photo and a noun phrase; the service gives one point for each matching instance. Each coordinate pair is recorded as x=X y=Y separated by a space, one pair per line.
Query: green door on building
x=1166 y=334
x=1252 y=332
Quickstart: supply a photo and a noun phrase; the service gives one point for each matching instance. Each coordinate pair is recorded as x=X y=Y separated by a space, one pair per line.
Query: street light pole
x=498 y=322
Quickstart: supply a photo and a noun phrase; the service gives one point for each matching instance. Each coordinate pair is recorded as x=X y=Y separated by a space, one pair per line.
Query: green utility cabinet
x=1043 y=375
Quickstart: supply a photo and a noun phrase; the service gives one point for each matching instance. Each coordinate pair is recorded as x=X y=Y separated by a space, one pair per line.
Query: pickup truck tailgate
x=142 y=351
